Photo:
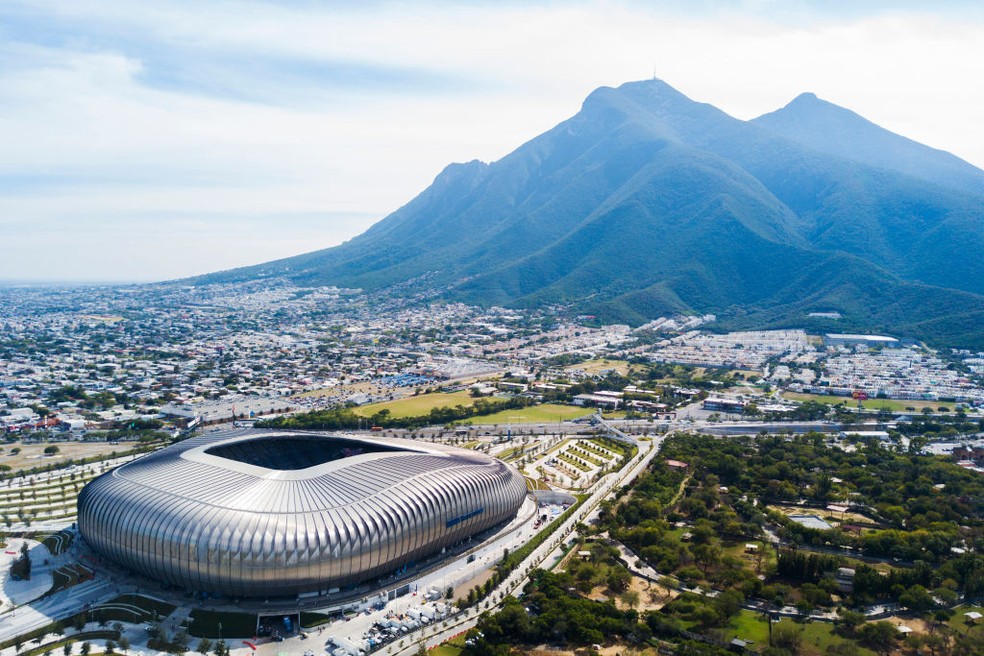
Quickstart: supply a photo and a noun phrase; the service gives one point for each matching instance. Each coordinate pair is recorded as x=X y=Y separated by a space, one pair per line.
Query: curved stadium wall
x=268 y=514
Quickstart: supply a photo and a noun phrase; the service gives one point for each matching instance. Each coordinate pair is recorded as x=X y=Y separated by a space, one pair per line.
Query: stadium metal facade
x=272 y=514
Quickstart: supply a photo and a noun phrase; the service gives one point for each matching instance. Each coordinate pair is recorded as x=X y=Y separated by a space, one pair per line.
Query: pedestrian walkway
x=17 y=593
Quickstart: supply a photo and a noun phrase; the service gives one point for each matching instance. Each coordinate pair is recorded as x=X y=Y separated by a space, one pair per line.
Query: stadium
x=276 y=514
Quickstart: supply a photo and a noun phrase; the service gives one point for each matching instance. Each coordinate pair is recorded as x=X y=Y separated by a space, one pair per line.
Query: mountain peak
x=806 y=96
x=807 y=106
x=832 y=129
x=655 y=108
x=647 y=92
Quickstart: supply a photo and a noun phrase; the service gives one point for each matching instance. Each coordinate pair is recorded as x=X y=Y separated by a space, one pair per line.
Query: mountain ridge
x=645 y=202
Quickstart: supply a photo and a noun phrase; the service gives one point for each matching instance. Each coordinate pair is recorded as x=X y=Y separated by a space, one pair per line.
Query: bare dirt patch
x=917 y=625
x=479 y=579
x=612 y=650
x=652 y=596
x=32 y=455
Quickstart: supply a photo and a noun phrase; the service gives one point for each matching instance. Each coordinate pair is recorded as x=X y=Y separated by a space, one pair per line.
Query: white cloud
x=192 y=121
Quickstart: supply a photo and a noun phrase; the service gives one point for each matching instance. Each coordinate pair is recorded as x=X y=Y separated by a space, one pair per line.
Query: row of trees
x=346 y=418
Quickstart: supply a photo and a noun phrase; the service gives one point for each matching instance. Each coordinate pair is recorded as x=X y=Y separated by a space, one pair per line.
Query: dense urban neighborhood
x=696 y=491
x=113 y=358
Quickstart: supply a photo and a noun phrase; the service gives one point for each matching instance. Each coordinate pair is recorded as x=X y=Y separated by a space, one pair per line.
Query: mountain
x=827 y=128
x=646 y=202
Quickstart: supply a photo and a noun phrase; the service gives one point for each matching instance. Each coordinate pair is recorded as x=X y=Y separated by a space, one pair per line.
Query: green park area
x=795 y=637
x=451 y=648
x=534 y=414
x=414 y=406
x=894 y=405
x=966 y=626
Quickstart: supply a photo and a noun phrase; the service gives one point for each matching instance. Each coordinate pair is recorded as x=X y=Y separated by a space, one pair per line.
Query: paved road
x=40 y=613
x=435 y=635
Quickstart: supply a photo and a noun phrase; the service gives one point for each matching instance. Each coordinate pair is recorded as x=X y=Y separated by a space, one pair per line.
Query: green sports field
x=535 y=414
x=895 y=405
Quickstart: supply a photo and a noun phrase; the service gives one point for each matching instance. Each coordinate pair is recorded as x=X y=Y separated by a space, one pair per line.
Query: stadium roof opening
x=293 y=452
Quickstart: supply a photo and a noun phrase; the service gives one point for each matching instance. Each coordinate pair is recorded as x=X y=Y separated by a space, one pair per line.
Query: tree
x=23 y=565
x=124 y=643
x=180 y=640
x=850 y=620
x=204 y=646
x=630 y=598
x=729 y=602
x=85 y=649
x=787 y=636
x=619 y=579
x=51 y=450
x=917 y=599
x=706 y=554
x=879 y=636
x=110 y=646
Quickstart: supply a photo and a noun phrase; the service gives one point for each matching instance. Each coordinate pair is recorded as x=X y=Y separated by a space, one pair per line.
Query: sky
x=157 y=140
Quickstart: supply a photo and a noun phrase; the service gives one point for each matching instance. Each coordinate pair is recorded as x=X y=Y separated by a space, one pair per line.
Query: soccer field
x=895 y=405
x=535 y=414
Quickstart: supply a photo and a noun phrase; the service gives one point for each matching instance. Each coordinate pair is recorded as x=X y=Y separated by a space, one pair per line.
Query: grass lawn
x=205 y=624
x=149 y=604
x=816 y=636
x=309 y=620
x=749 y=626
x=961 y=624
x=895 y=405
x=58 y=542
x=132 y=608
x=414 y=406
x=509 y=453
x=452 y=647
x=610 y=445
x=751 y=559
x=534 y=414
